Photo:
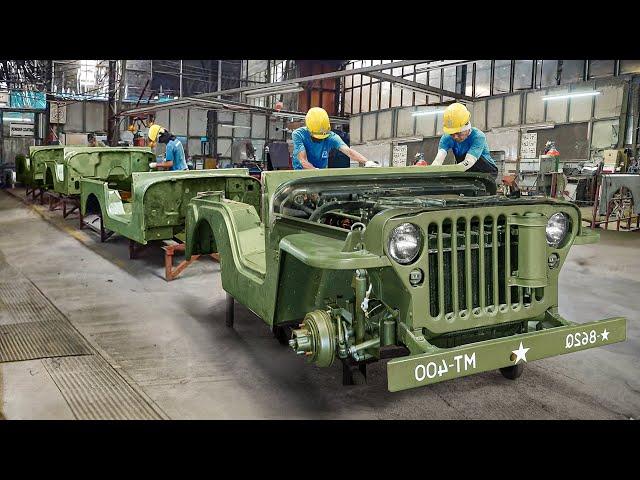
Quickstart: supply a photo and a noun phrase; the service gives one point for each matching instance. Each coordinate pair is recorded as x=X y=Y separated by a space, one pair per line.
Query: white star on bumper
x=605 y=335
x=521 y=353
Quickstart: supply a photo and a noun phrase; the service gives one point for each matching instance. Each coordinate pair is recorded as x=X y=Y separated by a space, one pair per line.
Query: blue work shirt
x=475 y=144
x=175 y=154
x=317 y=151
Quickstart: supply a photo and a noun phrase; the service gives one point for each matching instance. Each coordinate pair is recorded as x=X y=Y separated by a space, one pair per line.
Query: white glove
x=371 y=163
x=153 y=164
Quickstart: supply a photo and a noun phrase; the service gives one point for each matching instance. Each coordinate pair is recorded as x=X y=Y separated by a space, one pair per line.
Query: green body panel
x=39 y=157
x=157 y=207
x=284 y=267
x=444 y=364
x=24 y=172
x=114 y=165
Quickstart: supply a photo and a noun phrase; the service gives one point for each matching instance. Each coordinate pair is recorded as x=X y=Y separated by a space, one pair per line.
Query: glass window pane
x=356 y=100
x=347 y=101
x=629 y=66
x=483 y=77
x=601 y=68
x=366 y=79
x=365 y=98
x=449 y=82
x=501 y=76
x=375 y=96
x=348 y=81
x=386 y=91
x=547 y=73
x=571 y=71
x=407 y=97
x=395 y=96
x=523 y=74
x=468 y=88
x=434 y=80
x=421 y=98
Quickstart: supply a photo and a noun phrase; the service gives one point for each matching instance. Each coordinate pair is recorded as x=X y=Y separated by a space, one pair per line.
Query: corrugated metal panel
x=405 y=122
x=426 y=125
x=478 y=114
x=535 y=107
x=95 y=117
x=197 y=122
x=557 y=109
x=369 y=126
x=354 y=129
x=179 y=121
x=494 y=113
x=512 y=110
x=609 y=102
x=258 y=126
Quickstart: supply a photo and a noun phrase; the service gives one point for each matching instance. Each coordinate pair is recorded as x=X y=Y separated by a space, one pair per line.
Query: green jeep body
x=157 y=205
x=39 y=158
x=317 y=256
x=114 y=165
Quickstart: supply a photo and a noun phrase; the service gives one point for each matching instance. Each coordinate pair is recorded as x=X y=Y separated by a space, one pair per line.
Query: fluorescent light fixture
x=427 y=112
x=571 y=95
x=233 y=126
x=267 y=93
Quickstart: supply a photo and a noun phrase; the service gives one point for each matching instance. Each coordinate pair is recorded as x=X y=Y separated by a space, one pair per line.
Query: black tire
x=283 y=334
x=512 y=372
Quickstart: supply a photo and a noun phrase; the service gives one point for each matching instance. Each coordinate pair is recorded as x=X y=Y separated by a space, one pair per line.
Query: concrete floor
x=170 y=342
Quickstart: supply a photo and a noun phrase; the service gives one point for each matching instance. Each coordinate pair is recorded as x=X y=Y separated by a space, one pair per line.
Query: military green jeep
x=429 y=267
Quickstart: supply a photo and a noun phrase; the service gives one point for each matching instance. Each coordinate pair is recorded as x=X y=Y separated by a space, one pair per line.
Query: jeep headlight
x=557 y=228
x=404 y=243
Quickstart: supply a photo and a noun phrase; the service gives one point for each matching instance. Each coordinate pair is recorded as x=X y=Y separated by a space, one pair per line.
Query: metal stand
x=598 y=223
x=104 y=233
x=230 y=311
x=169 y=251
x=75 y=204
x=54 y=200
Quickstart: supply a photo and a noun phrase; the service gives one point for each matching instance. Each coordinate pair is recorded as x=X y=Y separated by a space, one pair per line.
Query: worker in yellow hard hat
x=92 y=141
x=468 y=144
x=312 y=143
x=174 y=155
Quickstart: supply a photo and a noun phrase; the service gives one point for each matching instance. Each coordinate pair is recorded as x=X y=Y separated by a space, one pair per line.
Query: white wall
x=502 y=117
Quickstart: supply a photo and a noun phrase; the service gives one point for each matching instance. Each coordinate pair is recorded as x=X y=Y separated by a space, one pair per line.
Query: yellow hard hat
x=317 y=121
x=456 y=116
x=154 y=131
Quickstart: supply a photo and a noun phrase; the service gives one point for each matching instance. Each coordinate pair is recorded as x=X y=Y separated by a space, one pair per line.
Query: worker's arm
x=302 y=158
x=469 y=161
x=440 y=156
x=299 y=152
x=353 y=155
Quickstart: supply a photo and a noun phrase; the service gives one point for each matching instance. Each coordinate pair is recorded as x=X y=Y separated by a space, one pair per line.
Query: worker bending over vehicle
x=468 y=144
x=312 y=143
x=174 y=155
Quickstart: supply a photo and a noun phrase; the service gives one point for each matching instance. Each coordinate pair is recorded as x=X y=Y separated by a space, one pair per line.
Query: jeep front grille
x=470 y=261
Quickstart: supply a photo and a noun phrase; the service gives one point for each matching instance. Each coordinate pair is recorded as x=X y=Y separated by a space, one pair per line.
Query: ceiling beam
x=421 y=87
x=321 y=76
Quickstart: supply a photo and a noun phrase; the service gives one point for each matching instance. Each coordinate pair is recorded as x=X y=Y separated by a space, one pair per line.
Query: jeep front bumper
x=439 y=364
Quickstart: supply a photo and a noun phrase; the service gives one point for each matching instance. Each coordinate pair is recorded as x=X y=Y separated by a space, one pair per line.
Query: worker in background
x=93 y=141
x=468 y=144
x=312 y=143
x=174 y=155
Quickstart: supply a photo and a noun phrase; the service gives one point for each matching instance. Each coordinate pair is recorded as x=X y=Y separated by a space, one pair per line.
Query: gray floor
x=169 y=343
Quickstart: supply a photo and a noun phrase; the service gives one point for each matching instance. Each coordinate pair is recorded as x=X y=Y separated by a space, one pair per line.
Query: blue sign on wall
x=25 y=99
